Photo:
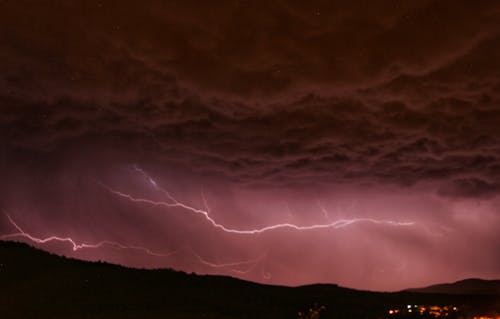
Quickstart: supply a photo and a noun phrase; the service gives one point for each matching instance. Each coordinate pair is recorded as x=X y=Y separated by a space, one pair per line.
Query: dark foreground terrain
x=36 y=284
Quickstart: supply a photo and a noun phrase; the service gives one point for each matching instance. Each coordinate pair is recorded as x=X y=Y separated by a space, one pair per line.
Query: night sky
x=283 y=142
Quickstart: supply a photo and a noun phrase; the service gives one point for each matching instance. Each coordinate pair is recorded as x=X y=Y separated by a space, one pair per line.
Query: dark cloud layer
x=398 y=93
x=303 y=96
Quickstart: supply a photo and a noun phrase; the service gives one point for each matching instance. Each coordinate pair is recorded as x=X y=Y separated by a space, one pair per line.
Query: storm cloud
x=381 y=110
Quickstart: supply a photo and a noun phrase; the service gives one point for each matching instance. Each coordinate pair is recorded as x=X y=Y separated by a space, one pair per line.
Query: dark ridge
x=473 y=286
x=36 y=284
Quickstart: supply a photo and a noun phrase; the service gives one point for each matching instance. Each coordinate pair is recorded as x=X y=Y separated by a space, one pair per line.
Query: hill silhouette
x=36 y=284
x=471 y=286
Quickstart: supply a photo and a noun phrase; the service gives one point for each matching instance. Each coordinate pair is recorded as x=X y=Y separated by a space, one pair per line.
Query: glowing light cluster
x=433 y=311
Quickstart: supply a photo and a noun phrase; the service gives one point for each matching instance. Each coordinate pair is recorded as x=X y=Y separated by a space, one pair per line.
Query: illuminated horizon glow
x=340 y=223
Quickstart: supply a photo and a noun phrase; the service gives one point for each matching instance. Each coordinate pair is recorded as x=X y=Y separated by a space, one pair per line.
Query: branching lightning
x=21 y=233
x=230 y=265
x=323 y=210
x=77 y=246
x=173 y=202
x=239 y=267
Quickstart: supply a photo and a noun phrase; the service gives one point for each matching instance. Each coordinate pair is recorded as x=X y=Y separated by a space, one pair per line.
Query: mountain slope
x=35 y=284
x=467 y=286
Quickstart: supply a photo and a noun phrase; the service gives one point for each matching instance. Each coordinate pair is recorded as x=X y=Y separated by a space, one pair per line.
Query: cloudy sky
x=282 y=142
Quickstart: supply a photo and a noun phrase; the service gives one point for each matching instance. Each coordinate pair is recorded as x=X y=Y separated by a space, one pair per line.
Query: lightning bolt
x=173 y=202
x=77 y=246
x=323 y=210
x=230 y=265
x=116 y=245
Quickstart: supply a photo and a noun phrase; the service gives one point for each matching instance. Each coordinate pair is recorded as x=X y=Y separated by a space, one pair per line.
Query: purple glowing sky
x=284 y=143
